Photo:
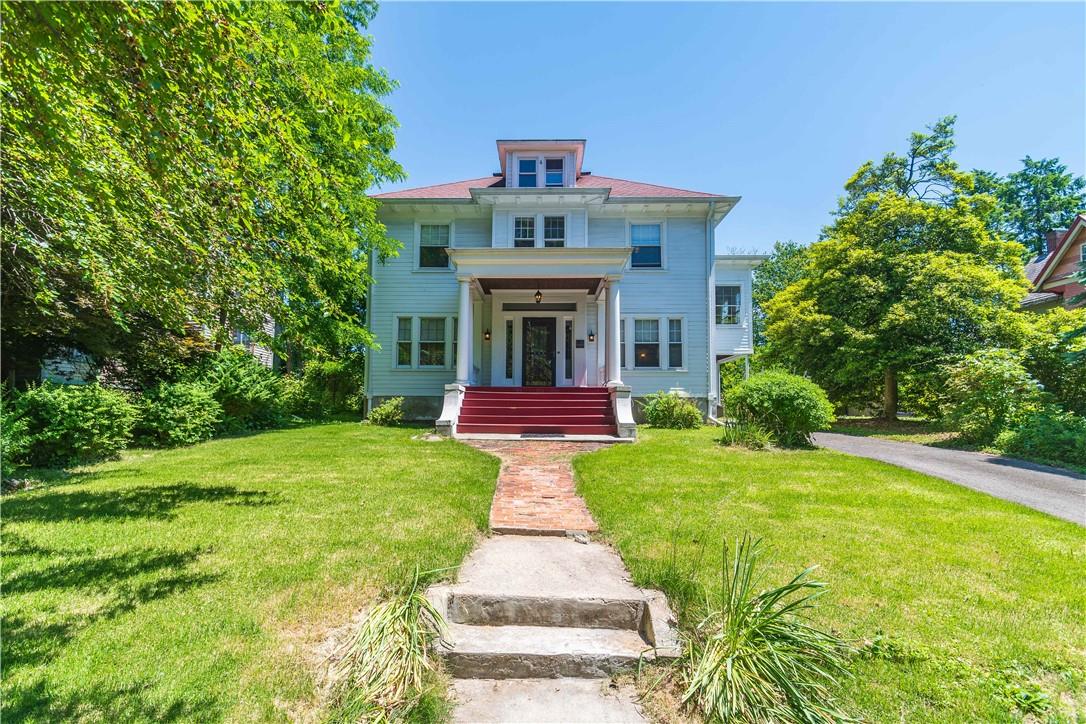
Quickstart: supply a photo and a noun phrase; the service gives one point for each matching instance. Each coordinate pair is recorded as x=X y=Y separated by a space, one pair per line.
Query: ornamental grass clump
x=380 y=672
x=753 y=658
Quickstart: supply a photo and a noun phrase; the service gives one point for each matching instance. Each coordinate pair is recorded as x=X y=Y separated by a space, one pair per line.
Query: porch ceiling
x=590 y=285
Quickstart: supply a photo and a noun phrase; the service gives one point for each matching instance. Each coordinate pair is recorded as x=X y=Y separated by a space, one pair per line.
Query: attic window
x=555 y=172
x=527 y=173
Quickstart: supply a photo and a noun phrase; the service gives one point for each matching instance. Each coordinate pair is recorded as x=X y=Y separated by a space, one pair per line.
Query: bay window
x=727 y=303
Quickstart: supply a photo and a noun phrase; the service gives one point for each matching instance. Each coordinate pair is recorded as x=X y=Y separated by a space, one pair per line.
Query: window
x=646 y=343
x=622 y=343
x=455 y=335
x=555 y=172
x=727 y=304
x=675 y=343
x=554 y=231
x=524 y=231
x=645 y=240
x=509 y=349
x=433 y=241
x=569 y=350
x=1082 y=253
x=527 y=173
x=403 y=341
x=432 y=342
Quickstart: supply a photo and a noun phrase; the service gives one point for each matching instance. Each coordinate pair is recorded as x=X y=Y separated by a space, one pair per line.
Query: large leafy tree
x=908 y=275
x=175 y=164
x=1043 y=195
x=783 y=267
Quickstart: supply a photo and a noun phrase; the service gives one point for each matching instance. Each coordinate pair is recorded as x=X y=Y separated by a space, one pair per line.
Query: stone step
x=497 y=609
x=541 y=429
x=535 y=701
x=541 y=652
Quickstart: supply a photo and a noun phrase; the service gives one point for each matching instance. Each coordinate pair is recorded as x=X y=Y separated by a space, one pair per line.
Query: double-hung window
x=555 y=168
x=527 y=173
x=727 y=304
x=554 y=231
x=524 y=231
x=403 y=341
x=647 y=343
x=675 y=343
x=432 y=342
x=433 y=241
x=622 y=343
x=645 y=240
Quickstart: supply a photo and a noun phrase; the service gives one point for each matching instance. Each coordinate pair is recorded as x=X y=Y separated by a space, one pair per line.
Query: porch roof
x=552 y=268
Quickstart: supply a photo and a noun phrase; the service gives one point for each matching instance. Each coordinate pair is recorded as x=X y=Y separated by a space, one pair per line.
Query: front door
x=539 y=351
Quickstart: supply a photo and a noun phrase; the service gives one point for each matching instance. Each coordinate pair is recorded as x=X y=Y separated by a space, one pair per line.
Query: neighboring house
x=547 y=276
x=1052 y=275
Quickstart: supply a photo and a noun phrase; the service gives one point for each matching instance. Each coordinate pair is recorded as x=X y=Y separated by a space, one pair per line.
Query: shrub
x=1048 y=435
x=987 y=392
x=671 y=410
x=247 y=391
x=752 y=657
x=73 y=424
x=788 y=406
x=14 y=439
x=328 y=387
x=1047 y=354
x=179 y=413
x=389 y=413
x=746 y=434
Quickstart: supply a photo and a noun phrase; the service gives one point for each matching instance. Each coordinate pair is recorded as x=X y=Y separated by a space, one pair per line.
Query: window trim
x=534 y=160
x=417 y=254
x=539 y=217
x=562 y=183
x=410 y=342
x=565 y=230
x=535 y=230
x=628 y=343
x=659 y=338
x=681 y=342
x=451 y=329
x=630 y=223
x=738 y=306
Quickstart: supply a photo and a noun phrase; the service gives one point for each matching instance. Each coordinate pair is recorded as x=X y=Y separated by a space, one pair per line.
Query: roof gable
x=1076 y=230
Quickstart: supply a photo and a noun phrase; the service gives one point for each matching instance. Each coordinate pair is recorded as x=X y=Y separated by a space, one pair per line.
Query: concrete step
x=539 y=701
x=541 y=652
x=542 y=429
x=499 y=609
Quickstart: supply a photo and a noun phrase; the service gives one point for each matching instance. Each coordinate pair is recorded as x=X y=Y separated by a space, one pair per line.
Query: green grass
x=922 y=432
x=976 y=599
x=197 y=583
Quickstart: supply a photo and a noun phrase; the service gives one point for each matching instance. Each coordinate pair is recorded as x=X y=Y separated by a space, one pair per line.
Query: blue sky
x=778 y=103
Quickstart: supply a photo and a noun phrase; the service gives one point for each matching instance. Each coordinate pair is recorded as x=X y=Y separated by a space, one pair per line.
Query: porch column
x=614 y=337
x=463 y=334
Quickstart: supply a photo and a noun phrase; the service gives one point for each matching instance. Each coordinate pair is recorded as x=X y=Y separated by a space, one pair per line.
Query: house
x=547 y=299
x=1052 y=275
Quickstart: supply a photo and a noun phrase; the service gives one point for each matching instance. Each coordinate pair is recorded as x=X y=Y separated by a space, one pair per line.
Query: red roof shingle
x=619 y=188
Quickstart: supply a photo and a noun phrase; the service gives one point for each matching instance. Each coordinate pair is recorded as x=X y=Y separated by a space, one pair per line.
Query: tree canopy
x=784 y=266
x=907 y=275
x=173 y=164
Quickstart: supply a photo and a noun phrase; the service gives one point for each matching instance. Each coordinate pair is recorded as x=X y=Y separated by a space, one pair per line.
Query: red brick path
x=535 y=487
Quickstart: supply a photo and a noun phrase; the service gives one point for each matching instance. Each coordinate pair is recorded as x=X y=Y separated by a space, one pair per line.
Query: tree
x=1039 y=198
x=783 y=267
x=171 y=164
x=907 y=276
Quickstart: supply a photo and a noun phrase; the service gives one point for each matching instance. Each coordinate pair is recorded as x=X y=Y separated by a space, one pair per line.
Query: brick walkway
x=535 y=491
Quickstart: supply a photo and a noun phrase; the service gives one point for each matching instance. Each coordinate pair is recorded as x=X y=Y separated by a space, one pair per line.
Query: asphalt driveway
x=1057 y=492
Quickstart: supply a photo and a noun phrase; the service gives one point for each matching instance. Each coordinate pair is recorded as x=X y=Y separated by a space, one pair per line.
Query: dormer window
x=527 y=173
x=556 y=175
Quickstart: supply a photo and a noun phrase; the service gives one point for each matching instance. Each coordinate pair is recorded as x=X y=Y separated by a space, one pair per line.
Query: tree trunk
x=889 y=394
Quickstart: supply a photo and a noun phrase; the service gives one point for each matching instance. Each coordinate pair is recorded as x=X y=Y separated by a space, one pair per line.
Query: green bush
x=987 y=392
x=1047 y=355
x=327 y=387
x=74 y=424
x=179 y=413
x=670 y=410
x=389 y=413
x=14 y=439
x=248 y=392
x=788 y=406
x=1048 y=435
x=746 y=434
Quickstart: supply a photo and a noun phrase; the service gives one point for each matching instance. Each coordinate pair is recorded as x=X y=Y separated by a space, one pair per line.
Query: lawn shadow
x=37 y=700
x=146 y=501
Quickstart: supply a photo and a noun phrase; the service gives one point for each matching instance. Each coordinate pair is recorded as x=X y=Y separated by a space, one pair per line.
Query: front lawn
x=195 y=584
x=922 y=432
x=976 y=602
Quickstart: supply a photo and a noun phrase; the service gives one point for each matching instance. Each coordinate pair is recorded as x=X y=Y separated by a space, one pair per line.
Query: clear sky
x=778 y=103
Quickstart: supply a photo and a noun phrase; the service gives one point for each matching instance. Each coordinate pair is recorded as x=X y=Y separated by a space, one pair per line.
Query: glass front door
x=539 y=351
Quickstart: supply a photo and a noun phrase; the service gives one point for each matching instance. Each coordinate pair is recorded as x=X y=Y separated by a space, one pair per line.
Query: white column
x=463 y=335
x=614 y=337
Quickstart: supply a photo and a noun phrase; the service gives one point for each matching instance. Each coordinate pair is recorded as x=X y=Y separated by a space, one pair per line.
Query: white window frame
x=630 y=223
x=562 y=159
x=533 y=159
x=682 y=343
x=739 y=307
x=543 y=232
x=418 y=245
x=539 y=216
x=535 y=230
x=628 y=327
x=451 y=330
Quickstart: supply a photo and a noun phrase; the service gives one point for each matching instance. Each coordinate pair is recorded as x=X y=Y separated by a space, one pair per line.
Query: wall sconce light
x=538 y=296
x=486 y=335
x=591 y=336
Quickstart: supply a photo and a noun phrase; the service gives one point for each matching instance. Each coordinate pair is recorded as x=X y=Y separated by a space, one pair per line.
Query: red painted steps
x=538 y=410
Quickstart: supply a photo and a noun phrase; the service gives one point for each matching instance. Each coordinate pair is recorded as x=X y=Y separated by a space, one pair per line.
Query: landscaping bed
x=962 y=607
x=197 y=583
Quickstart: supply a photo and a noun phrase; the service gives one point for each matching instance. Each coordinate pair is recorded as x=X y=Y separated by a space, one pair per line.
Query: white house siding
x=606 y=231
x=735 y=338
x=678 y=291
